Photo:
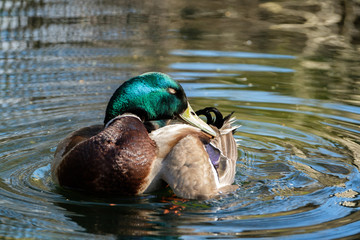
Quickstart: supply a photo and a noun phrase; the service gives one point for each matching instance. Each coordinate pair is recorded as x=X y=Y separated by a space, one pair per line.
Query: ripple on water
x=287 y=174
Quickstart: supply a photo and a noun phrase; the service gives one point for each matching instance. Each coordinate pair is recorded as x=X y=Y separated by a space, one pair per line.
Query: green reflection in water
x=290 y=72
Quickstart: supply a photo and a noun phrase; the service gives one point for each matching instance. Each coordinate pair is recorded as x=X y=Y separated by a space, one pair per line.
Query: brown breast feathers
x=117 y=160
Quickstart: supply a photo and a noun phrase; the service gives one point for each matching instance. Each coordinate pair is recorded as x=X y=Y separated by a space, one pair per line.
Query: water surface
x=289 y=71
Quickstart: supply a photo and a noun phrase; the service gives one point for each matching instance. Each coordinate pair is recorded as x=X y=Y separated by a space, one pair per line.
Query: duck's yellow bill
x=190 y=117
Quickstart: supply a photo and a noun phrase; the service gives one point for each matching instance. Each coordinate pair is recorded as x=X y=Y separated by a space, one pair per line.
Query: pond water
x=288 y=69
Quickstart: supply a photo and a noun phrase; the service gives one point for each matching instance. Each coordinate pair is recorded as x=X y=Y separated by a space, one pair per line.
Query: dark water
x=289 y=69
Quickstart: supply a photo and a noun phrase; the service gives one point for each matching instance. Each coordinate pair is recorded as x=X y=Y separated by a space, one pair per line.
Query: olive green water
x=289 y=69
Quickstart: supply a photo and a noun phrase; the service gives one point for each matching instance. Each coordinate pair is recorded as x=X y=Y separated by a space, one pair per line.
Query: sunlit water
x=290 y=73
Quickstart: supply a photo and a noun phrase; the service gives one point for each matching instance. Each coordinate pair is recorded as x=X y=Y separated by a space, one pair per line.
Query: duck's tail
x=224 y=124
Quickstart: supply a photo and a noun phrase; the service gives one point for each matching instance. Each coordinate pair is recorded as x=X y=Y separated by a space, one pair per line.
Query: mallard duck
x=124 y=157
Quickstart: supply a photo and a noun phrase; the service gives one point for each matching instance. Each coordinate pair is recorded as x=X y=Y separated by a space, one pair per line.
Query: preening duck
x=125 y=156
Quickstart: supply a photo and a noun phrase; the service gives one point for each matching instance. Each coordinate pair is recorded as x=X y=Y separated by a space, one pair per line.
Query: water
x=289 y=70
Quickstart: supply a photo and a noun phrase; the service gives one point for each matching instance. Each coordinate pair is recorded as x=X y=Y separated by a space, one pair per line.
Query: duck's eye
x=171 y=91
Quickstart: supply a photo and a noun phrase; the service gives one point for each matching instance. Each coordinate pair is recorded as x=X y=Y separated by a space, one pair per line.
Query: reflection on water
x=290 y=72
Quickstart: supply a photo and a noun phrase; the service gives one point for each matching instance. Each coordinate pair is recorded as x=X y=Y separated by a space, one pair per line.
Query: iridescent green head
x=153 y=96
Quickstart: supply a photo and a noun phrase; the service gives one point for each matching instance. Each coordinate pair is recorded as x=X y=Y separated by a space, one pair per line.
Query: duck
x=128 y=155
